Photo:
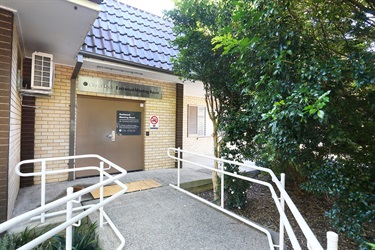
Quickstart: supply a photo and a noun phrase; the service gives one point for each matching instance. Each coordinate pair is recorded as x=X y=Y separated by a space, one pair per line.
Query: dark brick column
x=179 y=116
x=6 y=34
x=27 y=127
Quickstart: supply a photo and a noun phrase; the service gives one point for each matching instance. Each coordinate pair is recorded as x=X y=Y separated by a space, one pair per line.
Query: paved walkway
x=29 y=198
x=159 y=218
x=164 y=218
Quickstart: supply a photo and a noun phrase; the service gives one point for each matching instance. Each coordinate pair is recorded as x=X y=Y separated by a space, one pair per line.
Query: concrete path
x=165 y=218
x=159 y=218
x=29 y=198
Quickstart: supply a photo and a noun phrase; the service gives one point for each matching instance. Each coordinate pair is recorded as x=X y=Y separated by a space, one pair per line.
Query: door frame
x=113 y=99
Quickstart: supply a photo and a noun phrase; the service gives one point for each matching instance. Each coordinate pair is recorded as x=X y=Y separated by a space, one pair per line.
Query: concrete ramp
x=164 y=218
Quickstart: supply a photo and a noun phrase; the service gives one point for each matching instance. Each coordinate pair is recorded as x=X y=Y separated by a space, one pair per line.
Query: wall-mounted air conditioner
x=42 y=71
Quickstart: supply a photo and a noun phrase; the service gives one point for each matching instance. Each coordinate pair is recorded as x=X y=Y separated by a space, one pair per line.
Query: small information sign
x=128 y=123
x=154 y=122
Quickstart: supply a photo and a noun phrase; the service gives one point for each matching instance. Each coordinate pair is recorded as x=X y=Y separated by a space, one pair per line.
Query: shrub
x=352 y=190
x=84 y=238
x=235 y=189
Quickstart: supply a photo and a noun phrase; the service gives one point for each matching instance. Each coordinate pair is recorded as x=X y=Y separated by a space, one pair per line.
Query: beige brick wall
x=52 y=124
x=14 y=127
x=197 y=144
x=159 y=140
x=52 y=120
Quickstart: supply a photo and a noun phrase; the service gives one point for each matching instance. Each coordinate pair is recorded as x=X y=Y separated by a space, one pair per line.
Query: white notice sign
x=154 y=122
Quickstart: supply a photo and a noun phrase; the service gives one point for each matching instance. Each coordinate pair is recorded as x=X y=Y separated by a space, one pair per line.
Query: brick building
x=101 y=81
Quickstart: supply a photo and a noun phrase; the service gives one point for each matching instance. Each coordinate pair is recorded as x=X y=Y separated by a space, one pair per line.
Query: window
x=199 y=123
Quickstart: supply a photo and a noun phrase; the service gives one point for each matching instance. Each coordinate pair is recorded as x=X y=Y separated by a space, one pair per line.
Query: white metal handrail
x=40 y=212
x=312 y=242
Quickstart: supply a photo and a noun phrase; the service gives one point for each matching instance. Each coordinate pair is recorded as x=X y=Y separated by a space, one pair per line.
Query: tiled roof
x=132 y=35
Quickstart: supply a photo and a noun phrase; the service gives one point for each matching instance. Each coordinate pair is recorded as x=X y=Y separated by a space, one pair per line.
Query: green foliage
x=308 y=69
x=84 y=238
x=354 y=201
x=7 y=242
x=299 y=90
x=371 y=245
x=14 y=241
x=235 y=189
x=195 y=25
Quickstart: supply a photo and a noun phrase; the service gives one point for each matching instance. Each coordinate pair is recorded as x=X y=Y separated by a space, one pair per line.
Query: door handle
x=112 y=135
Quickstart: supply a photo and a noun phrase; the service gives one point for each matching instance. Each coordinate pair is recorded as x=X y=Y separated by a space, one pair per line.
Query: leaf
x=324 y=95
x=321 y=114
x=307 y=108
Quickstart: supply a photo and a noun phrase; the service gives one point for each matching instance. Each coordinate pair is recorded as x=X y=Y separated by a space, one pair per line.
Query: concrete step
x=197 y=186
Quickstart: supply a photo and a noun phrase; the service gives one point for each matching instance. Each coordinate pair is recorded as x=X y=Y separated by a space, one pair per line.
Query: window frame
x=197 y=121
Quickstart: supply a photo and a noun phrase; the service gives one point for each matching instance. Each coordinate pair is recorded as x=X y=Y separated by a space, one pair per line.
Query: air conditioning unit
x=42 y=71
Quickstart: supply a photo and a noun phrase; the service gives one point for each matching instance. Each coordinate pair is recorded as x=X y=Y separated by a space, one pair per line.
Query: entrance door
x=111 y=128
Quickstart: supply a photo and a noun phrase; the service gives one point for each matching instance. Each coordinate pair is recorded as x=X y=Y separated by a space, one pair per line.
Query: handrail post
x=282 y=203
x=332 y=240
x=101 y=209
x=221 y=167
x=178 y=166
x=68 y=200
x=69 y=212
x=43 y=191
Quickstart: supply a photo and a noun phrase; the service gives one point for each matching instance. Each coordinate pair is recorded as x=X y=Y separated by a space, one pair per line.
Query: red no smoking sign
x=154 y=122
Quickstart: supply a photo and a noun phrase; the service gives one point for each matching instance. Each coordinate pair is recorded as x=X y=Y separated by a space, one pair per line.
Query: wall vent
x=42 y=71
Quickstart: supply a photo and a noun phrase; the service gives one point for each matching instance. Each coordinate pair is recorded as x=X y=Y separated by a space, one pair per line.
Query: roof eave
x=58 y=27
x=127 y=67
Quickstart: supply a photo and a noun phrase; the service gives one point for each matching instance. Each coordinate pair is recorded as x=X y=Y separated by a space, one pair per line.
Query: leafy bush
x=7 y=242
x=301 y=88
x=235 y=189
x=84 y=238
x=14 y=241
x=352 y=190
x=371 y=245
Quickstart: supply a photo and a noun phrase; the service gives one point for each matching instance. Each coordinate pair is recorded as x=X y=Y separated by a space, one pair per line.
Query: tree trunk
x=215 y=179
x=214 y=112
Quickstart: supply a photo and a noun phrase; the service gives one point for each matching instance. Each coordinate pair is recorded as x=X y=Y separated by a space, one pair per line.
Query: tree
x=195 y=24
x=295 y=83
x=308 y=68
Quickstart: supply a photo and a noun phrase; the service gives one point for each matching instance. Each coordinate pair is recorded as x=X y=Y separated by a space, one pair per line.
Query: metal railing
x=312 y=242
x=69 y=199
